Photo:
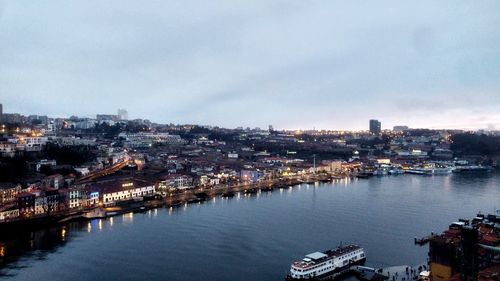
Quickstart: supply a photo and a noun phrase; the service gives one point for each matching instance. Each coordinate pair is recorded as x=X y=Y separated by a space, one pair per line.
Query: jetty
x=424 y=240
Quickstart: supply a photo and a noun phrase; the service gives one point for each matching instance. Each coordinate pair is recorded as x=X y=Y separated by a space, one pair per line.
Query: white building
x=34 y=143
x=7 y=213
x=75 y=199
x=73 y=141
x=145 y=139
x=232 y=155
x=176 y=181
x=126 y=190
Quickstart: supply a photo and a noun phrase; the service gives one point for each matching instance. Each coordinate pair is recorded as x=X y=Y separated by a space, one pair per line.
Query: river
x=254 y=237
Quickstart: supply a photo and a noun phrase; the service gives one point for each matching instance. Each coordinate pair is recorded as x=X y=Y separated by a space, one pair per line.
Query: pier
x=401 y=272
x=424 y=240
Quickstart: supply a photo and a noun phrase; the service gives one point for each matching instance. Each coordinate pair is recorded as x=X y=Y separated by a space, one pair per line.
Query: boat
x=175 y=203
x=140 y=209
x=228 y=194
x=364 y=175
x=267 y=188
x=430 y=171
x=251 y=191
x=322 y=264
x=195 y=200
x=201 y=195
x=472 y=169
x=396 y=171
x=380 y=172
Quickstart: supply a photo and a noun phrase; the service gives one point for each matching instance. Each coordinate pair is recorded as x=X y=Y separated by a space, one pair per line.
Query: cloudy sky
x=293 y=64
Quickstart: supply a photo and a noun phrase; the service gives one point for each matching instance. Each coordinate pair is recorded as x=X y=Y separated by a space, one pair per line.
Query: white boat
x=431 y=169
x=396 y=171
x=320 y=264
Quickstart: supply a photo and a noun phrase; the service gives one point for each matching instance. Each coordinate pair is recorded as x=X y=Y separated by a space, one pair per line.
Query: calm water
x=254 y=237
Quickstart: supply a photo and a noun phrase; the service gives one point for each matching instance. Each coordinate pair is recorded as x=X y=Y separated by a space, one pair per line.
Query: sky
x=291 y=64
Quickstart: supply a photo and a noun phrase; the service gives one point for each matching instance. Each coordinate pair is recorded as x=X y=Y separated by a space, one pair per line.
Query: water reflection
x=128 y=218
x=38 y=244
x=63 y=233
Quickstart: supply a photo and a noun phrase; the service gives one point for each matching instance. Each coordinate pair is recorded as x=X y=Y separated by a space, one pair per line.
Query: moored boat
x=268 y=188
x=228 y=194
x=472 y=169
x=322 y=264
x=251 y=191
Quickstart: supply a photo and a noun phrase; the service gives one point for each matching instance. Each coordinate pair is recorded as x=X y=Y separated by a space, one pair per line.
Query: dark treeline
x=69 y=155
x=16 y=168
x=12 y=169
x=473 y=144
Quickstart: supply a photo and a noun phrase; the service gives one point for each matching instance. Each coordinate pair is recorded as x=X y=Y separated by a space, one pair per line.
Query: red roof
x=452 y=233
x=490 y=239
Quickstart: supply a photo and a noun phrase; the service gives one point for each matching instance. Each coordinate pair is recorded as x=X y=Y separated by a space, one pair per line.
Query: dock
x=401 y=272
x=424 y=240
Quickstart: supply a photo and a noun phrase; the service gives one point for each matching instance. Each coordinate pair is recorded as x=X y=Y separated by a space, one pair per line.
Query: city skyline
x=122 y=115
x=290 y=64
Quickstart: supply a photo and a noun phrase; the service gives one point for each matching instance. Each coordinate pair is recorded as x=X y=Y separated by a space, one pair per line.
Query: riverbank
x=171 y=199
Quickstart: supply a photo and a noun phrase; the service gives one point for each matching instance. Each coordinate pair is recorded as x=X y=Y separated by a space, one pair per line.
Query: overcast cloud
x=292 y=64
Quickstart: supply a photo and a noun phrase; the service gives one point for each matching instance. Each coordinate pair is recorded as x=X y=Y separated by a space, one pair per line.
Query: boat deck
x=329 y=254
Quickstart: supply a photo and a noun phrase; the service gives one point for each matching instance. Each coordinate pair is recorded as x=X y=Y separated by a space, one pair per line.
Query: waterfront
x=256 y=237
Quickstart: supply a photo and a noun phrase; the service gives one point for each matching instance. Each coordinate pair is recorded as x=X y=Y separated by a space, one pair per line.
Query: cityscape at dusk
x=250 y=141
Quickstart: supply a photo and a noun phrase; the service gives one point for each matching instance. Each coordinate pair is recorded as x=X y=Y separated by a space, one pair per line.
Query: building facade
x=375 y=127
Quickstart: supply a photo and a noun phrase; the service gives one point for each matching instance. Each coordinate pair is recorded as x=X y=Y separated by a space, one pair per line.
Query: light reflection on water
x=221 y=238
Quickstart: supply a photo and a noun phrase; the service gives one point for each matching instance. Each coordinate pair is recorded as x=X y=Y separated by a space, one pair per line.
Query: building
x=123 y=114
x=465 y=249
x=251 y=176
x=45 y=162
x=26 y=203
x=75 y=198
x=109 y=118
x=85 y=123
x=146 y=140
x=13 y=118
x=209 y=180
x=232 y=155
x=399 y=129
x=330 y=166
x=9 y=212
x=7 y=149
x=120 y=190
x=1 y=112
x=375 y=127
x=175 y=181
x=29 y=143
x=75 y=141
x=48 y=202
x=53 y=181
x=9 y=192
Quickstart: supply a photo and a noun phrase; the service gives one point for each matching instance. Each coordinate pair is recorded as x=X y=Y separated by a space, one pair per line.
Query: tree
x=72 y=155
x=473 y=144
